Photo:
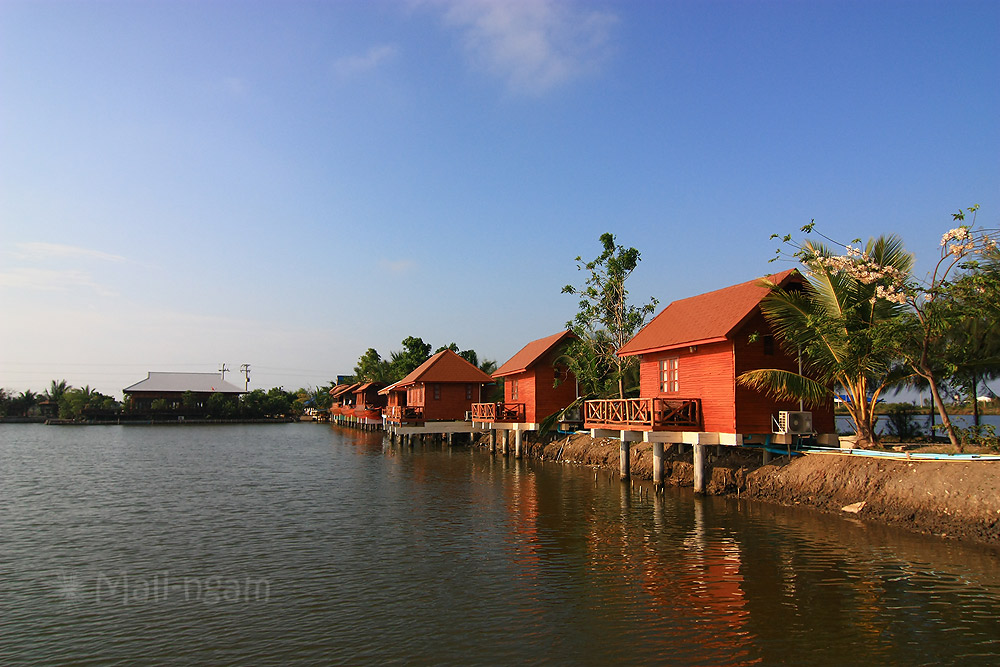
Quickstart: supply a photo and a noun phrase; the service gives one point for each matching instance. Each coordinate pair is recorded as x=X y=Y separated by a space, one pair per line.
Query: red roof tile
x=705 y=318
x=445 y=366
x=343 y=389
x=531 y=353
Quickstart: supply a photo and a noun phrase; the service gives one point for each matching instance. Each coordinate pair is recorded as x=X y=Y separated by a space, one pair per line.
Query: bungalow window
x=768 y=345
x=513 y=389
x=468 y=392
x=669 y=376
x=437 y=392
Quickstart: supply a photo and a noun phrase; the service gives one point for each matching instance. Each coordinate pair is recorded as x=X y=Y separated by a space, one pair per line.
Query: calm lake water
x=922 y=422
x=233 y=545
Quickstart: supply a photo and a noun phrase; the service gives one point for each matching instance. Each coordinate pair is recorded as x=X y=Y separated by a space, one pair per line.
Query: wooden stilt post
x=625 y=470
x=699 y=468
x=658 y=465
x=767 y=456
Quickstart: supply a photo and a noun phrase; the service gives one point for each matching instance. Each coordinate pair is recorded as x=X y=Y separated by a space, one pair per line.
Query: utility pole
x=224 y=370
x=245 y=369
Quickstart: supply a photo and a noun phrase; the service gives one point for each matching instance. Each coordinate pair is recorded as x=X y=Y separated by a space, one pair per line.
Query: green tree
x=845 y=323
x=960 y=289
x=371 y=367
x=415 y=352
x=222 y=406
x=77 y=402
x=22 y=404
x=57 y=389
x=278 y=403
x=252 y=404
x=605 y=320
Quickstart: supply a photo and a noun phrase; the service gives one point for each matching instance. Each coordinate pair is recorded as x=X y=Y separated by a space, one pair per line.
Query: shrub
x=901 y=423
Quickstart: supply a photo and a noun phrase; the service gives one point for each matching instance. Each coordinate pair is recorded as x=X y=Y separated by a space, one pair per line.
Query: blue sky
x=286 y=184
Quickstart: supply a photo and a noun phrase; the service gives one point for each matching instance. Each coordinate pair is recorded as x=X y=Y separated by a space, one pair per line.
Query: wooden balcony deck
x=404 y=414
x=498 y=412
x=643 y=414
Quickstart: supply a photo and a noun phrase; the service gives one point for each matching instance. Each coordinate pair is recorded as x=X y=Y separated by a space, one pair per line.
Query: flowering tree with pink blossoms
x=861 y=313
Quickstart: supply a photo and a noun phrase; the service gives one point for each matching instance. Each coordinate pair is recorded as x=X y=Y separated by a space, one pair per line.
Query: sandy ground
x=950 y=499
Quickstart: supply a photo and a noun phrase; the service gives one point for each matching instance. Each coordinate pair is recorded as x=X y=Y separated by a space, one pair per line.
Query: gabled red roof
x=342 y=389
x=384 y=391
x=531 y=353
x=445 y=366
x=367 y=385
x=706 y=318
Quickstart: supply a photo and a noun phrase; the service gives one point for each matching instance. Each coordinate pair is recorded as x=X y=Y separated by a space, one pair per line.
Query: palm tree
x=844 y=331
x=56 y=390
x=23 y=403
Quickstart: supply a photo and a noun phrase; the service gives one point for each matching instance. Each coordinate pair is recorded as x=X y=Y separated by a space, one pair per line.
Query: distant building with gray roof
x=173 y=386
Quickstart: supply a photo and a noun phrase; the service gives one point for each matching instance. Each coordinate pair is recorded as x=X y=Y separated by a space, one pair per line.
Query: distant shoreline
x=142 y=422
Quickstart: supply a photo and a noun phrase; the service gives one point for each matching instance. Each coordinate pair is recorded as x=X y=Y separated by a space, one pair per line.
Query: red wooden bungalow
x=343 y=400
x=690 y=356
x=368 y=403
x=395 y=407
x=443 y=388
x=530 y=393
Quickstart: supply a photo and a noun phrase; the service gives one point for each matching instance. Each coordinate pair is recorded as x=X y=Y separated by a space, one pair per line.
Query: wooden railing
x=498 y=412
x=643 y=413
x=404 y=413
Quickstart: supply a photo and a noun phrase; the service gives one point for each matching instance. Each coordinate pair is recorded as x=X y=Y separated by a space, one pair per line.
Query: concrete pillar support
x=518 y=451
x=625 y=469
x=699 y=468
x=658 y=465
x=493 y=440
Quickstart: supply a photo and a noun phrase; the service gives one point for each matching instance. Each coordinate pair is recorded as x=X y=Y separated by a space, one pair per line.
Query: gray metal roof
x=196 y=382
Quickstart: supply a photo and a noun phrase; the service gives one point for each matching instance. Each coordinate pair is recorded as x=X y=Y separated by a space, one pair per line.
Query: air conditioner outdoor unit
x=468 y=415
x=797 y=423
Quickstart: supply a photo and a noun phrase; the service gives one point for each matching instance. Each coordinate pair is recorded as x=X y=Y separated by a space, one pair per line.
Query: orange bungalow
x=536 y=386
x=443 y=388
x=368 y=404
x=343 y=401
x=395 y=405
x=690 y=356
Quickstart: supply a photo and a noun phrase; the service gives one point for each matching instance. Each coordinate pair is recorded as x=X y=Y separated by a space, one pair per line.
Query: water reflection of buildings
x=566 y=534
x=699 y=580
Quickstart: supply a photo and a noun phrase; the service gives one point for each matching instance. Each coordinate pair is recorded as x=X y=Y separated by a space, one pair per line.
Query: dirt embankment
x=952 y=499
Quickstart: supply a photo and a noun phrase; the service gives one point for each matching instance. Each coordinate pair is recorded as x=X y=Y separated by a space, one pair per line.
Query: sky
x=286 y=184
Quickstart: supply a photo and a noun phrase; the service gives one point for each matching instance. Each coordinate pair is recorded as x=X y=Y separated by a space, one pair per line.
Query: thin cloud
x=38 y=250
x=397 y=266
x=350 y=66
x=535 y=45
x=51 y=280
